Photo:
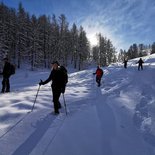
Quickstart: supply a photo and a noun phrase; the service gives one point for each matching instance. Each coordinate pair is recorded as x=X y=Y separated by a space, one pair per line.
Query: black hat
x=55 y=62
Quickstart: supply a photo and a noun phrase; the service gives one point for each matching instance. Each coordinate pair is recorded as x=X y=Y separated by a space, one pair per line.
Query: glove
x=41 y=82
x=63 y=89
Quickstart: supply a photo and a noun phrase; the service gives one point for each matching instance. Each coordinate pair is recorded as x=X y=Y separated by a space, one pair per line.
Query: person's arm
x=95 y=72
x=47 y=80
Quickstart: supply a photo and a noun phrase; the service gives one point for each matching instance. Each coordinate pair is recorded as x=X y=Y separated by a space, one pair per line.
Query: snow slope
x=116 y=119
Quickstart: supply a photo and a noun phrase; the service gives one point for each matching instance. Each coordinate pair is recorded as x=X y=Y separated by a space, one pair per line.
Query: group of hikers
x=59 y=79
x=140 y=63
x=99 y=71
x=58 y=76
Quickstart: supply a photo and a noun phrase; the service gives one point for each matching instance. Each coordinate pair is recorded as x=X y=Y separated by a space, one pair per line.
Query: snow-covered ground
x=116 y=119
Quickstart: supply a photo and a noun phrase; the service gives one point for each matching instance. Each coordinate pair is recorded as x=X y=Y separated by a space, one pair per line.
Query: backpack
x=12 y=69
x=65 y=75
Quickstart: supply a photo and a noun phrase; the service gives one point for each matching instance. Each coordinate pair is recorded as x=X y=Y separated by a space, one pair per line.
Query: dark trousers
x=98 y=80
x=140 y=66
x=56 y=96
x=5 y=85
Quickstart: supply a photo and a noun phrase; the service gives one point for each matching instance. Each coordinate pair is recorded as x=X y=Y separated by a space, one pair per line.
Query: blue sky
x=124 y=22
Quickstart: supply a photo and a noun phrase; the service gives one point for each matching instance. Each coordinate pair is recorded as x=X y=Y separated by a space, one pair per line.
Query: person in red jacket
x=99 y=74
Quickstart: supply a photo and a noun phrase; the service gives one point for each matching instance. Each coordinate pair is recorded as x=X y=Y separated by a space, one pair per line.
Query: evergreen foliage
x=37 y=41
x=105 y=53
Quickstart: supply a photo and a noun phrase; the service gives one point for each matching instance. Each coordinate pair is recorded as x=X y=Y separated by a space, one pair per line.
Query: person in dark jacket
x=125 y=63
x=6 y=75
x=99 y=74
x=59 y=80
x=140 y=64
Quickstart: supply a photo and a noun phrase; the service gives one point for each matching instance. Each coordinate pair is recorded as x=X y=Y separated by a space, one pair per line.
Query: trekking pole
x=65 y=104
x=35 y=98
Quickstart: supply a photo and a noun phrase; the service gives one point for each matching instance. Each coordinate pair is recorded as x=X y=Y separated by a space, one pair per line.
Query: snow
x=117 y=118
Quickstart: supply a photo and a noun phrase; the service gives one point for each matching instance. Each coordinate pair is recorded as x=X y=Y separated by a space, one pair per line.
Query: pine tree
x=43 y=40
x=34 y=43
x=54 y=39
x=74 y=45
x=37 y=41
x=83 y=47
x=96 y=54
x=63 y=40
x=122 y=55
x=21 y=34
x=104 y=53
x=111 y=52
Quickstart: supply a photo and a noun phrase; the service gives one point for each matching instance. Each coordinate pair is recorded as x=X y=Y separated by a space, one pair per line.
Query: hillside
x=114 y=119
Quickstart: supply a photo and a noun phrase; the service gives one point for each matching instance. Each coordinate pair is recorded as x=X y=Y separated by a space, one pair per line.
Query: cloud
x=94 y=28
x=124 y=22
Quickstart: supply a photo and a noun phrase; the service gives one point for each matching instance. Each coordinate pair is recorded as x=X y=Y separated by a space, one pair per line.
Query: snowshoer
x=6 y=75
x=140 y=64
x=125 y=63
x=59 y=80
x=99 y=74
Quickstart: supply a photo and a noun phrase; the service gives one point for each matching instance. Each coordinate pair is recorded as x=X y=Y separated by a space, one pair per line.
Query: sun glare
x=92 y=39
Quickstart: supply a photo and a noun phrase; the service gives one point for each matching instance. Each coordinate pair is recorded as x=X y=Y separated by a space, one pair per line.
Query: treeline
x=135 y=51
x=104 y=53
x=37 y=41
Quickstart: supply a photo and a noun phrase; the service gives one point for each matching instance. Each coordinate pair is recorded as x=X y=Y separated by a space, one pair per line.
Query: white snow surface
x=117 y=118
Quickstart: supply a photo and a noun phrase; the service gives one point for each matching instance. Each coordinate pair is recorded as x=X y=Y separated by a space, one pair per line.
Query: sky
x=117 y=118
x=124 y=22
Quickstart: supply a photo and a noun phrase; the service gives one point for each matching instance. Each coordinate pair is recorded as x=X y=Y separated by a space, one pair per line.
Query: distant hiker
x=99 y=74
x=125 y=63
x=140 y=64
x=6 y=75
x=59 y=79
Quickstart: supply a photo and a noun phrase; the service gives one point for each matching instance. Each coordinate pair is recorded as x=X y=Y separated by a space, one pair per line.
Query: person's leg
x=3 y=85
x=59 y=105
x=7 y=85
x=56 y=95
x=98 y=80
